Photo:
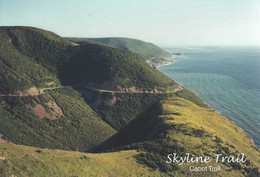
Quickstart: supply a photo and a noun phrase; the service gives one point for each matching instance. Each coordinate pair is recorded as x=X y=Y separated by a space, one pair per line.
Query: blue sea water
x=227 y=79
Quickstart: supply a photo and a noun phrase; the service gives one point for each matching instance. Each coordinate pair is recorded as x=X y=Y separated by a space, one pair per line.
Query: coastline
x=226 y=114
x=165 y=64
x=167 y=61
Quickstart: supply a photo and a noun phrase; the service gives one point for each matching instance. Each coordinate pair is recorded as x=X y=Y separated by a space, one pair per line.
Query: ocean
x=226 y=78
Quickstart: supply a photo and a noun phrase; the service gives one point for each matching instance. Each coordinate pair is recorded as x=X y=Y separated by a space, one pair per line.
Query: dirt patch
x=50 y=84
x=2 y=158
x=31 y=91
x=2 y=140
x=53 y=112
x=112 y=101
x=4 y=104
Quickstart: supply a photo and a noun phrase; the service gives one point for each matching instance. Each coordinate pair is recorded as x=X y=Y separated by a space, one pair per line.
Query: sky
x=163 y=22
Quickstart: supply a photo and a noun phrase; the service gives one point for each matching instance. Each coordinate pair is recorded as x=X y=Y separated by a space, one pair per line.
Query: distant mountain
x=148 y=51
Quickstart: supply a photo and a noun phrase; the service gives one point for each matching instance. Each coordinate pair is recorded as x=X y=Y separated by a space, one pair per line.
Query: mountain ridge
x=150 y=53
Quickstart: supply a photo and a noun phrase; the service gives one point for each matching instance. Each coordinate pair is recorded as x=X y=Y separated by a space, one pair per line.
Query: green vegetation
x=28 y=57
x=82 y=116
x=145 y=50
x=33 y=57
x=188 y=95
x=80 y=128
x=175 y=125
x=127 y=107
x=23 y=161
x=42 y=46
x=94 y=63
x=179 y=126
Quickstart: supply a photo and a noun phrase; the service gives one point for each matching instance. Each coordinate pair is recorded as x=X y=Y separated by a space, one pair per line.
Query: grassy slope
x=141 y=48
x=130 y=106
x=79 y=129
x=28 y=161
x=179 y=126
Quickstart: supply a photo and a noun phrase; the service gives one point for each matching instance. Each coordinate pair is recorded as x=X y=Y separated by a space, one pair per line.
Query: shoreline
x=211 y=106
x=165 y=64
x=168 y=61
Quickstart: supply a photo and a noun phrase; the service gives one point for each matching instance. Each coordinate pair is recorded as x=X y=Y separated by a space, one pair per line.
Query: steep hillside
x=59 y=119
x=38 y=44
x=108 y=68
x=38 y=110
x=174 y=126
x=118 y=109
x=179 y=126
x=148 y=51
x=32 y=57
x=29 y=57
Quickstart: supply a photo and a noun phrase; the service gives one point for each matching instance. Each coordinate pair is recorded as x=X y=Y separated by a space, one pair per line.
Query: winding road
x=42 y=91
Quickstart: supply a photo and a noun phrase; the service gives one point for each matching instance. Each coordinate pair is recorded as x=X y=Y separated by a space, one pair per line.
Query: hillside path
x=42 y=91
x=112 y=91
